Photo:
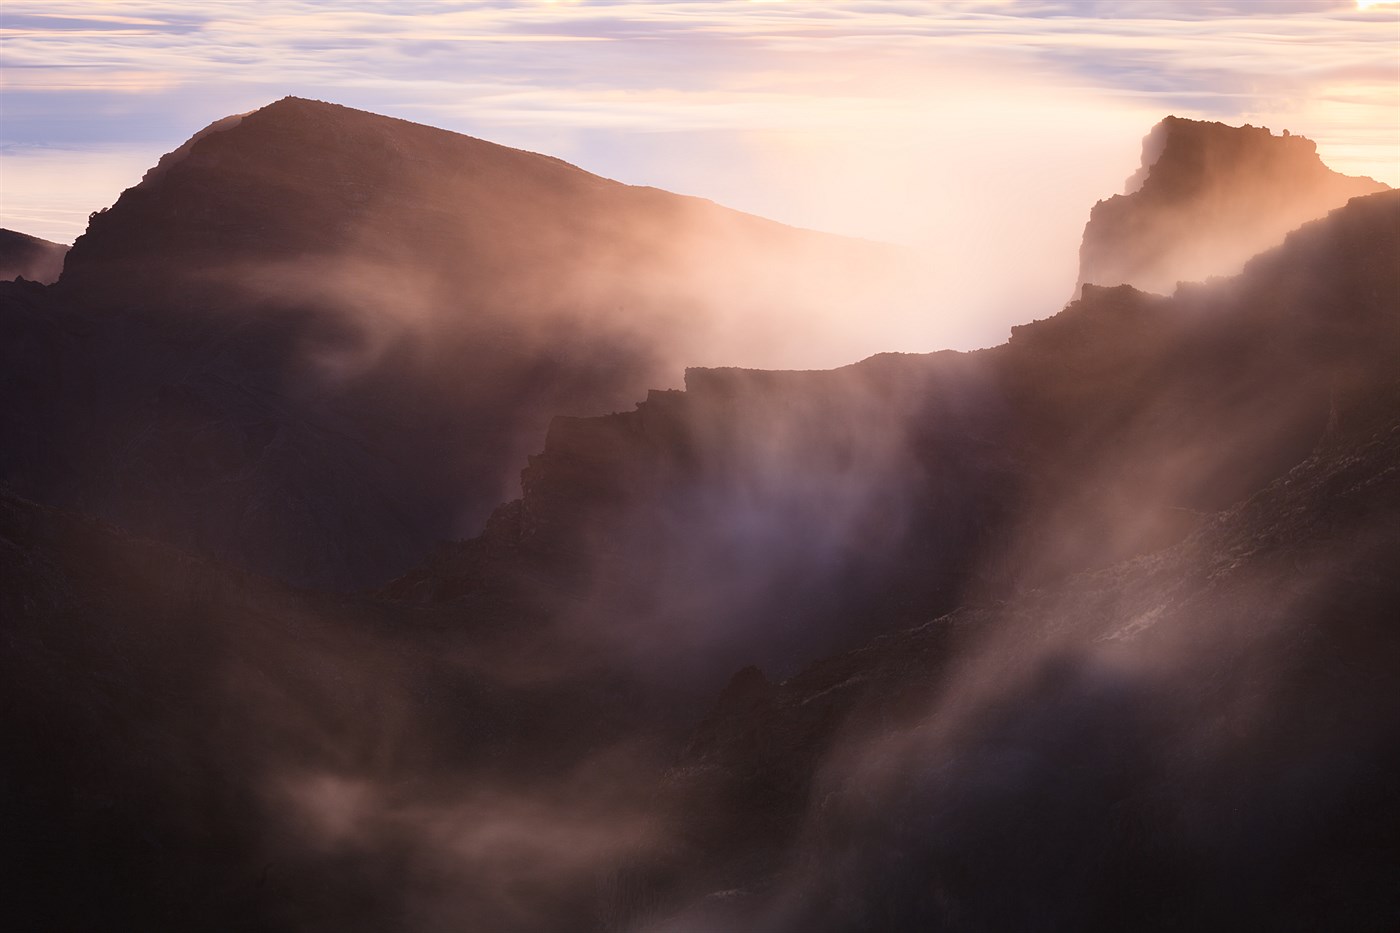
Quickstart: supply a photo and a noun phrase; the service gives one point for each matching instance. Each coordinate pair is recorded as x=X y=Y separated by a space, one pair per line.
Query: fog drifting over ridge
x=899 y=123
x=374 y=765
x=1137 y=496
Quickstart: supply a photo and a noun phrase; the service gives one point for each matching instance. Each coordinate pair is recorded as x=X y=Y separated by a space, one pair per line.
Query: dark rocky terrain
x=1207 y=197
x=1094 y=630
x=28 y=257
x=1204 y=737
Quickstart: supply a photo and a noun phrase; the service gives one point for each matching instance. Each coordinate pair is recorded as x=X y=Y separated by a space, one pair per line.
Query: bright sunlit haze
x=970 y=131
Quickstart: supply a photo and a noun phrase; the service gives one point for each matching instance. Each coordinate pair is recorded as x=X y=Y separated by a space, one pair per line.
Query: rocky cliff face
x=1207 y=197
x=755 y=514
x=27 y=257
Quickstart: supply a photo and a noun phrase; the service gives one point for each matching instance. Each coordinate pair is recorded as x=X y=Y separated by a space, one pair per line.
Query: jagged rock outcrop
x=28 y=257
x=752 y=516
x=1207 y=197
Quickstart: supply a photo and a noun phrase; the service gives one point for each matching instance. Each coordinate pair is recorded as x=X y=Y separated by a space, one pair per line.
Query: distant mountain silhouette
x=1207 y=197
x=28 y=257
x=315 y=340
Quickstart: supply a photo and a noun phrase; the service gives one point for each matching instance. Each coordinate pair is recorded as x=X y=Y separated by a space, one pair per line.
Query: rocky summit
x=1208 y=197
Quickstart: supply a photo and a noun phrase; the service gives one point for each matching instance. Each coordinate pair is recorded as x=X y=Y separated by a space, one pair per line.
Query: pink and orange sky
x=957 y=127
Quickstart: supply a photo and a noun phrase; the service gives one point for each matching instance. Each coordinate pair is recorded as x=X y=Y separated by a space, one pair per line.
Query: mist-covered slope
x=1091 y=630
x=400 y=230
x=315 y=340
x=1203 y=737
x=28 y=257
x=195 y=747
x=1207 y=197
x=1138 y=650
x=760 y=517
x=1169 y=525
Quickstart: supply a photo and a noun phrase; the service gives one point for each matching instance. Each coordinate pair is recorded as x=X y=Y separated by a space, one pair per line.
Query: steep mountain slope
x=28 y=257
x=315 y=340
x=1207 y=197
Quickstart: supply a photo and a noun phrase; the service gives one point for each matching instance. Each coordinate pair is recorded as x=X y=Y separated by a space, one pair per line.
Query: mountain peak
x=1206 y=198
x=302 y=177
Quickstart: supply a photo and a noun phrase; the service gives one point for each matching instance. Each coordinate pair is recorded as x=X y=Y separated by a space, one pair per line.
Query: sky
x=968 y=129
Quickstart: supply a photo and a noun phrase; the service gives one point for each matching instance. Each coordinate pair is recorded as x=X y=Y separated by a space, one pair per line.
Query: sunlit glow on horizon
x=961 y=129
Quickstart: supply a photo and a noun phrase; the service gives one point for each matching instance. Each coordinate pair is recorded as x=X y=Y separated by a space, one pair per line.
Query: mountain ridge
x=925 y=475
x=309 y=278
